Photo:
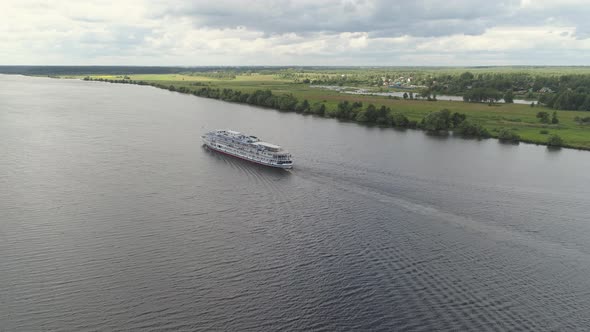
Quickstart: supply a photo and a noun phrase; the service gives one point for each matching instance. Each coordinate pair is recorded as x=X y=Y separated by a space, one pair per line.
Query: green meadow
x=517 y=117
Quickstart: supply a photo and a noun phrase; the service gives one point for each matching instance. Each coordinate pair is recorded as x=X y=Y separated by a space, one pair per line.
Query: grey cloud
x=425 y=18
x=120 y=40
x=380 y=18
x=302 y=32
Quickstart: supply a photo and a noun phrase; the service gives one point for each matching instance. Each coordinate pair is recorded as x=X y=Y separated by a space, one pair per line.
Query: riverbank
x=520 y=119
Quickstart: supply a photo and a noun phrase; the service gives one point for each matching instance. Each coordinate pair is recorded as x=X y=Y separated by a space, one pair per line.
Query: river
x=400 y=94
x=113 y=217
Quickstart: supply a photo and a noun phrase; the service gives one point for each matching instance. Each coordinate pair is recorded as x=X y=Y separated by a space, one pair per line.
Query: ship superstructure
x=247 y=147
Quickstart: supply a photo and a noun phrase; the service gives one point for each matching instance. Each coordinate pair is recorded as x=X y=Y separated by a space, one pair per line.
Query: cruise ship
x=249 y=148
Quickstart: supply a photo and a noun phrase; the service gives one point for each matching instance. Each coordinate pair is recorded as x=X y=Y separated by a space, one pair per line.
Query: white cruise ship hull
x=221 y=148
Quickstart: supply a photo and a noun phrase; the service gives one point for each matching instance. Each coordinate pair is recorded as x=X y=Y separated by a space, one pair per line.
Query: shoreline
x=449 y=133
x=183 y=90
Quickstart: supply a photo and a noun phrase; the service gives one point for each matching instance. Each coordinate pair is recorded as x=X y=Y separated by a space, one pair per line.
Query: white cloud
x=264 y=32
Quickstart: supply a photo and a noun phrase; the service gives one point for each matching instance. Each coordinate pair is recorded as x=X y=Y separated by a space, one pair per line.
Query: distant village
x=400 y=83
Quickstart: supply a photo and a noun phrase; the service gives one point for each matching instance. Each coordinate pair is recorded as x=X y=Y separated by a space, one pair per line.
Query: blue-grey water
x=113 y=217
x=364 y=91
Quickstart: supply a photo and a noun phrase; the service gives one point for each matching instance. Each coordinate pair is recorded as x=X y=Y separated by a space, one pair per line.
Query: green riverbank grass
x=520 y=118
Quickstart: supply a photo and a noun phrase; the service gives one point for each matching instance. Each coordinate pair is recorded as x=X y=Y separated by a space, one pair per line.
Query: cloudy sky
x=297 y=32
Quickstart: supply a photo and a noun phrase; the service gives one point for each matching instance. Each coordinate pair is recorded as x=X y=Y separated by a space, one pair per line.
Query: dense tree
x=568 y=92
x=371 y=113
x=480 y=95
x=585 y=106
x=302 y=107
x=554 y=140
x=361 y=116
x=343 y=110
x=466 y=76
x=469 y=129
x=543 y=117
x=554 y=119
x=318 y=109
x=426 y=94
x=437 y=121
x=509 y=97
x=382 y=115
x=457 y=118
x=508 y=135
x=564 y=101
x=397 y=119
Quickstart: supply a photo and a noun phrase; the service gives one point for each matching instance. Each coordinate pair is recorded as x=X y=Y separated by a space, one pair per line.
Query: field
x=520 y=118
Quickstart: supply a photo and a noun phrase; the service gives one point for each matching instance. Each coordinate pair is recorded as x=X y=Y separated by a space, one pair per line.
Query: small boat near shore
x=250 y=148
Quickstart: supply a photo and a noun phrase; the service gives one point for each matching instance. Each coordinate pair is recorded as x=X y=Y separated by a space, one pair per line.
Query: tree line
x=560 y=92
x=568 y=99
x=557 y=91
x=440 y=122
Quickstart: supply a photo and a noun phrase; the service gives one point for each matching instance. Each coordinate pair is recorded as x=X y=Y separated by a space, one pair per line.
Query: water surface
x=113 y=217
x=362 y=91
